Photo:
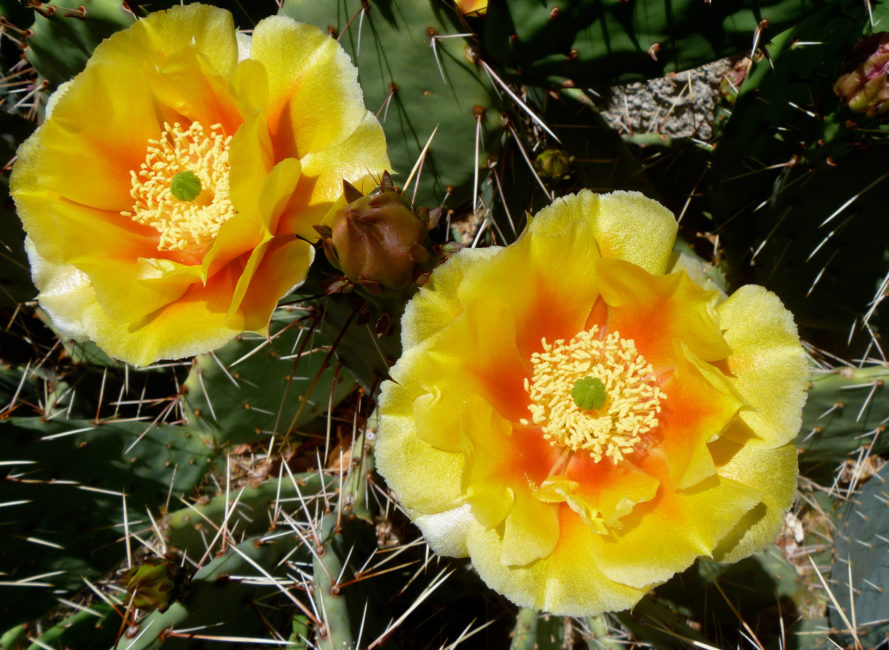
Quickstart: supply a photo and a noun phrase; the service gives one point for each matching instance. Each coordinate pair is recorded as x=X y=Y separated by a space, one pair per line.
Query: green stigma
x=185 y=186
x=589 y=393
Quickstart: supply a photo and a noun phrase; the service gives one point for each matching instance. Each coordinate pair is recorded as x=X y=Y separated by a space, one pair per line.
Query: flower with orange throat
x=583 y=413
x=170 y=195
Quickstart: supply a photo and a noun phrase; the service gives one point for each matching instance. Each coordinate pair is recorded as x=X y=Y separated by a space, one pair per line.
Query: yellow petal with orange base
x=283 y=268
x=124 y=299
x=73 y=177
x=664 y=536
x=497 y=486
x=466 y=359
x=548 y=527
x=567 y=582
x=767 y=363
x=115 y=131
x=315 y=101
x=568 y=289
x=184 y=328
x=609 y=490
x=66 y=231
x=699 y=405
x=250 y=158
x=656 y=310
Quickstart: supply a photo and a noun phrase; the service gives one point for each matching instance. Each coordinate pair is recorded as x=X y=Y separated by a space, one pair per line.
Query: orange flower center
x=182 y=187
x=632 y=395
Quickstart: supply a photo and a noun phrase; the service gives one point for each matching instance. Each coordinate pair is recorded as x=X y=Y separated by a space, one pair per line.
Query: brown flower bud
x=865 y=88
x=378 y=240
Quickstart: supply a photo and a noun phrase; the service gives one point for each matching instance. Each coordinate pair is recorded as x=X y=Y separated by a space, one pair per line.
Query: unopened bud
x=378 y=240
x=865 y=88
x=554 y=163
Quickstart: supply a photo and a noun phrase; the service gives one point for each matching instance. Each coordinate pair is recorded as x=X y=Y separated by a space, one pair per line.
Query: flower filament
x=593 y=394
x=182 y=187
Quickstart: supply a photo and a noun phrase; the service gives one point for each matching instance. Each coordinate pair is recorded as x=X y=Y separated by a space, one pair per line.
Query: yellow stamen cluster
x=633 y=397
x=183 y=225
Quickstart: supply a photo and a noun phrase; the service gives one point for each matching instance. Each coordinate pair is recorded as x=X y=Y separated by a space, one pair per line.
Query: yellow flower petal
x=251 y=159
x=531 y=530
x=627 y=225
x=437 y=303
x=665 y=535
x=756 y=466
x=308 y=74
x=283 y=268
x=495 y=496
x=699 y=406
x=208 y=30
x=655 y=310
x=433 y=482
x=568 y=290
x=767 y=365
x=567 y=581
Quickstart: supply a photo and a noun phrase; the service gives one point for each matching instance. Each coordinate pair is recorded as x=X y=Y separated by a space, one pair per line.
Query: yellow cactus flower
x=583 y=413
x=170 y=195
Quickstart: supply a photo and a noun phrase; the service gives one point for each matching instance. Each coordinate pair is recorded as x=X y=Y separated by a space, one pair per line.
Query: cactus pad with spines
x=862 y=557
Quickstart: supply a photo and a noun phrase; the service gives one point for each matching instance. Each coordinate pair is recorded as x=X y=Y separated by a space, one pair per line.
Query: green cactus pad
x=254 y=388
x=72 y=503
x=601 y=43
x=862 y=555
x=401 y=79
x=844 y=414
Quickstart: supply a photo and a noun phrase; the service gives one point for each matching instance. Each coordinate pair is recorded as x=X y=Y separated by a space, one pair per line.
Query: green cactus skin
x=338 y=532
x=690 y=607
x=599 y=43
x=184 y=525
x=797 y=184
x=422 y=101
x=214 y=597
x=844 y=415
x=84 y=630
x=536 y=630
x=71 y=489
x=862 y=553
x=263 y=394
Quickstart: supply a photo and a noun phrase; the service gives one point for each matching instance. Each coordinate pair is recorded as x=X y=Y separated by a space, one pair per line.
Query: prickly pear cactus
x=232 y=499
